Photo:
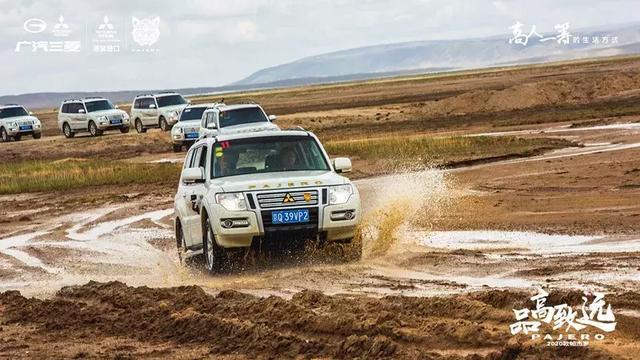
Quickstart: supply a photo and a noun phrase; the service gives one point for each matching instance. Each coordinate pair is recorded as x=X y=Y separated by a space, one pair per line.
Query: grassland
x=441 y=151
x=36 y=176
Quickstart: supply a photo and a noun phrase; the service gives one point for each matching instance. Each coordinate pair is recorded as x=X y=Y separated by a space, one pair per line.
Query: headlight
x=232 y=201
x=340 y=194
x=12 y=124
x=125 y=116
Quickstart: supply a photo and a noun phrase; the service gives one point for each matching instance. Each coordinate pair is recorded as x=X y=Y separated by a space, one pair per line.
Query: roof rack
x=167 y=92
x=144 y=95
x=93 y=97
x=68 y=100
x=9 y=105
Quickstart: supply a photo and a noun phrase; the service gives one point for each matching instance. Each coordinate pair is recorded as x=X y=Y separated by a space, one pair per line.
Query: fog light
x=227 y=224
x=343 y=215
x=348 y=215
x=234 y=223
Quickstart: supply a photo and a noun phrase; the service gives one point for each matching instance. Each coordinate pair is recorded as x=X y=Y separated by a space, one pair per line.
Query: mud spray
x=395 y=203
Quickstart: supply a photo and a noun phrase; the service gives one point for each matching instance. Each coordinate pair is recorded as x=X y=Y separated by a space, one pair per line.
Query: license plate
x=290 y=216
x=116 y=121
x=192 y=135
x=25 y=127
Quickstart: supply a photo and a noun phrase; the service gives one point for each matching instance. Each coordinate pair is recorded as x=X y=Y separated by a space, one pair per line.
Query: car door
x=192 y=194
x=78 y=116
x=149 y=112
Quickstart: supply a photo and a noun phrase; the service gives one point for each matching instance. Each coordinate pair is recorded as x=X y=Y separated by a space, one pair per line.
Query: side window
x=195 y=158
x=65 y=108
x=136 y=104
x=203 y=158
x=74 y=108
x=189 y=159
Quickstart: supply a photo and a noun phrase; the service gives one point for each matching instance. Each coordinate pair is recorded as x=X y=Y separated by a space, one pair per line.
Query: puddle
x=533 y=242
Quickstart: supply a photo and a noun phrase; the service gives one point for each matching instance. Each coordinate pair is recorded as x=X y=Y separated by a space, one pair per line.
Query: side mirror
x=272 y=118
x=116 y=106
x=188 y=101
x=30 y=112
x=342 y=165
x=80 y=111
x=152 y=106
x=193 y=175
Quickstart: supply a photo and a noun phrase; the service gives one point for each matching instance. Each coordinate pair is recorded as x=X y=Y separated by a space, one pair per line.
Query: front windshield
x=170 y=100
x=192 y=113
x=98 y=105
x=266 y=155
x=12 y=112
x=242 y=116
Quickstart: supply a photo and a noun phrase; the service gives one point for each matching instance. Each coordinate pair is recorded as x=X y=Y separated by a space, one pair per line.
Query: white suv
x=157 y=110
x=92 y=114
x=186 y=130
x=238 y=118
x=16 y=121
x=266 y=190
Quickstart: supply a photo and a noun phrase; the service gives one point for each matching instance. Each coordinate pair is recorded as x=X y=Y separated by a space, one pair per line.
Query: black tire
x=139 y=127
x=182 y=248
x=177 y=147
x=124 y=130
x=66 y=130
x=163 y=124
x=17 y=137
x=93 y=129
x=3 y=135
x=37 y=135
x=214 y=256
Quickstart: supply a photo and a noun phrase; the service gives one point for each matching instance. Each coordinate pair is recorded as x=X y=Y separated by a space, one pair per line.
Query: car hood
x=250 y=127
x=279 y=180
x=31 y=118
x=188 y=124
x=107 y=112
x=170 y=108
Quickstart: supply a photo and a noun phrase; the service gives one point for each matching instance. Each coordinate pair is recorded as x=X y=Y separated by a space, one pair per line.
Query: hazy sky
x=210 y=43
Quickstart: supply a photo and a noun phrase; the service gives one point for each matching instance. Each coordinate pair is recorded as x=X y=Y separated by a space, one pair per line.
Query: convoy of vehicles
x=245 y=183
x=16 y=122
x=157 y=110
x=92 y=114
x=262 y=190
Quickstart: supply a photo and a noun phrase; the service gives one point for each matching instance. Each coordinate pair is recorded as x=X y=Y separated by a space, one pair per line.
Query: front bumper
x=13 y=131
x=104 y=125
x=326 y=222
x=180 y=139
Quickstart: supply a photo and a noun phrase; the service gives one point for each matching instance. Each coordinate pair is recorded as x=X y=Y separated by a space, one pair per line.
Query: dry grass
x=433 y=151
x=36 y=176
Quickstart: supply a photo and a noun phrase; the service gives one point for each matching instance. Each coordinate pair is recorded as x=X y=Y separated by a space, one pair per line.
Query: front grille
x=311 y=225
x=25 y=123
x=276 y=199
x=115 y=117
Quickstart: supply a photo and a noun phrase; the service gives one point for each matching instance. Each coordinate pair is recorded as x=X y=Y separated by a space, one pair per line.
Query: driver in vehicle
x=288 y=158
x=228 y=162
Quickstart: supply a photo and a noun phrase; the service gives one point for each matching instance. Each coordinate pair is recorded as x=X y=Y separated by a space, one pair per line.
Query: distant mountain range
x=392 y=60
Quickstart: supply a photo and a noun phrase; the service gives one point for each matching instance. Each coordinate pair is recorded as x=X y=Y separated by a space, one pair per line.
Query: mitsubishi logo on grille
x=288 y=199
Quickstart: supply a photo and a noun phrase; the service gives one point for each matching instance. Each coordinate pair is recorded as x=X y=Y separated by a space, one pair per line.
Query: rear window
x=242 y=116
x=12 y=112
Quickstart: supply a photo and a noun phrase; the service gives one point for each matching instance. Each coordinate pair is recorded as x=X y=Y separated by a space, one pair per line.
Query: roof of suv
x=88 y=98
x=203 y=105
x=257 y=134
x=159 y=94
x=6 y=106
x=237 y=106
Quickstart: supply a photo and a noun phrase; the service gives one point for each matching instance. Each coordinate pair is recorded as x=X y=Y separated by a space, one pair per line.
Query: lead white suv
x=187 y=130
x=157 y=110
x=16 y=121
x=237 y=118
x=266 y=190
x=92 y=114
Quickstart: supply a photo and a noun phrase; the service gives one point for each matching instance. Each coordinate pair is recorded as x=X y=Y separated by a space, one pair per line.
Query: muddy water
x=121 y=243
